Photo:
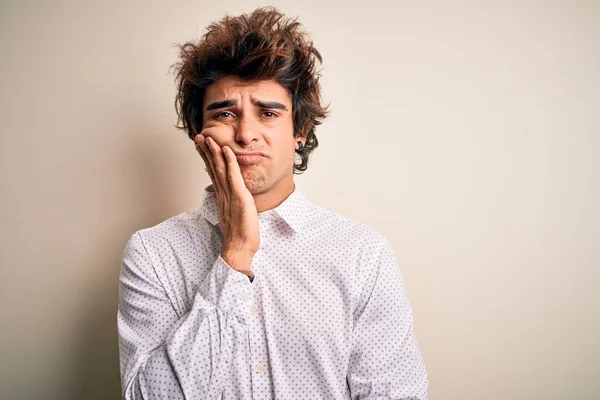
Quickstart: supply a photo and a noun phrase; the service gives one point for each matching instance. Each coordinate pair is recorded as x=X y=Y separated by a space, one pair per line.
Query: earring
x=301 y=146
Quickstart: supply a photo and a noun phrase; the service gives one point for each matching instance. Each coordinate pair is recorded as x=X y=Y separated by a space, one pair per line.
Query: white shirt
x=326 y=316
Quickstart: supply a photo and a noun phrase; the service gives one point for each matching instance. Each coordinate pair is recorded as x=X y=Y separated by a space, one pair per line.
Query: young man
x=261 y=294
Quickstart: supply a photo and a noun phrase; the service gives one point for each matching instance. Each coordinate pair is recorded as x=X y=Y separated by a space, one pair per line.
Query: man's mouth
x=249 y=159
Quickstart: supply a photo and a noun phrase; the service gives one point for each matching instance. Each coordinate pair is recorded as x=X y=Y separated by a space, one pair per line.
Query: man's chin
x=254 y=183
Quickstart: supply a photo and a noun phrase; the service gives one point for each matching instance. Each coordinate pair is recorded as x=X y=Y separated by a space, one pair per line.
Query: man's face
x=250 y=117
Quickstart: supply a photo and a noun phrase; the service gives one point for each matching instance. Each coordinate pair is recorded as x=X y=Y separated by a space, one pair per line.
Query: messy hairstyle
x=261 y=45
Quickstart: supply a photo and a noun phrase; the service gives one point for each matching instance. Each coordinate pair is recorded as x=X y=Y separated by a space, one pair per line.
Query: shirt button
x=245 y=297
x=254 y=308
x=259 y=368
x=227 y=358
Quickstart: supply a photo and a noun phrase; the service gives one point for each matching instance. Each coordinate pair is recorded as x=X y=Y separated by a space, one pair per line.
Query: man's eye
x=269 y=114
x=222 y=114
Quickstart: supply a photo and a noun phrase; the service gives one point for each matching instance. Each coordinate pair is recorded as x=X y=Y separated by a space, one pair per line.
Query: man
x=261 y=294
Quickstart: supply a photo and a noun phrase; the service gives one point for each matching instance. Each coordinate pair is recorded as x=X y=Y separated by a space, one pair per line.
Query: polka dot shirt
x=326 y=316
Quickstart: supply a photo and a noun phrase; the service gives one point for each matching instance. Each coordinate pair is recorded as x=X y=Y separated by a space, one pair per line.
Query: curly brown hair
x=262 y=45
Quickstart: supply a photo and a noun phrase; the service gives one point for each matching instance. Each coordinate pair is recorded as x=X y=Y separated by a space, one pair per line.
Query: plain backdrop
x=468 y=133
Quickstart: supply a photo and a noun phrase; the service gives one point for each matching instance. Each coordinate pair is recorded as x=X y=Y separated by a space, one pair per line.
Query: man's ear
x=301 y=135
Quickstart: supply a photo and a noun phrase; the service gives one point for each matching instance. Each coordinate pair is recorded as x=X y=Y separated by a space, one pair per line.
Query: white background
x=468 y=133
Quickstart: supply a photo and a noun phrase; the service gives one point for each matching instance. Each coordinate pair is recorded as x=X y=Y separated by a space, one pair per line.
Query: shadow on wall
x=143 y=187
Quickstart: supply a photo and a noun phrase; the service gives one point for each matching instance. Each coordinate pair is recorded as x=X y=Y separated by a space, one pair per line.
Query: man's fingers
x=207 y=157
x=234 y=173
x=212 y=166
x=224 y=168
x=220 y=169
x=207 y=167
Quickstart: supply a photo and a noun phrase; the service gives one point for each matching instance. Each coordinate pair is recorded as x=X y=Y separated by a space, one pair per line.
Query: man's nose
x=247 y=130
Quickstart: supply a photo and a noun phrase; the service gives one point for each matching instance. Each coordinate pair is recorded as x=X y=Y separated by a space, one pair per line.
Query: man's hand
x=238 y=218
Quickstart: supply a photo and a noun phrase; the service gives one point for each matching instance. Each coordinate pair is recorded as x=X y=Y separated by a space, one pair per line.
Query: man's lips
x=249 y=158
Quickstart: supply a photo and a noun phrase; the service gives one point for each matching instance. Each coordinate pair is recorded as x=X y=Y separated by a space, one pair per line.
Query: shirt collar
x=292 y=210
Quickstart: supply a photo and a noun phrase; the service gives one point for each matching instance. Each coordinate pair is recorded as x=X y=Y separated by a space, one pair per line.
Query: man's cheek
x=221 y=133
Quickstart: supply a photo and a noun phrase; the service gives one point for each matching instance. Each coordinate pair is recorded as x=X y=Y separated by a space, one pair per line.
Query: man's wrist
x=240 y=261
x=249 y=274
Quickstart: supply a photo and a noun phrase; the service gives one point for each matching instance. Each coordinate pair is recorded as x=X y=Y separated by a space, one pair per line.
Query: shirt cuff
x=229 y=290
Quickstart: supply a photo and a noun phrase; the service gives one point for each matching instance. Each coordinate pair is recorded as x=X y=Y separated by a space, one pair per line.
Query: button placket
x=259 y=368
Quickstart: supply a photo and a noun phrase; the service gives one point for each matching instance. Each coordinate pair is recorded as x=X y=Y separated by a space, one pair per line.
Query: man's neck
x=274 y=197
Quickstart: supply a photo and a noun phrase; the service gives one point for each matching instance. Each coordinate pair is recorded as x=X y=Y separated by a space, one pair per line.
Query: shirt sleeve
x=385 y=360
x=166 y=355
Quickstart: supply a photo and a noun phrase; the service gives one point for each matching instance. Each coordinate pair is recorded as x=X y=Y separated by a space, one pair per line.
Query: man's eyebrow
x=259 y=103
x=221 y=104
x=269 y=104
